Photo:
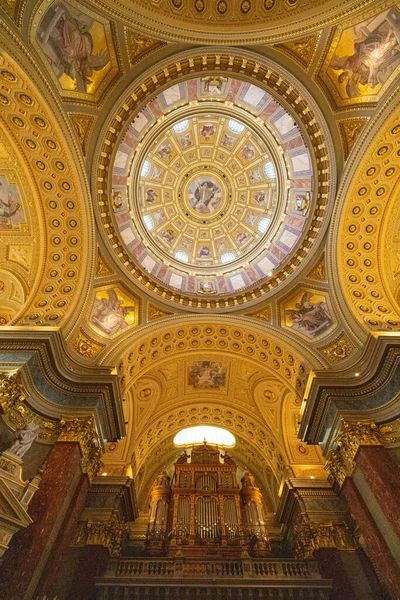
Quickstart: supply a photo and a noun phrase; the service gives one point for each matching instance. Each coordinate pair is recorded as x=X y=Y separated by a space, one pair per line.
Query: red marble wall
x=64 y=539
x=30 y=548
x=382 y=475
x=386 y=568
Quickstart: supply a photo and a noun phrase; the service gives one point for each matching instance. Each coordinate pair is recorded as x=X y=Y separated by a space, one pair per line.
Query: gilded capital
x=351 y=436
x=313 y=536
x=85 y=434
x=108 y=534
x=11 y=392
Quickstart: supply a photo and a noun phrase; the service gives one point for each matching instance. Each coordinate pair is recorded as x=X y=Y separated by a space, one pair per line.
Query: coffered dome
x=213 y=187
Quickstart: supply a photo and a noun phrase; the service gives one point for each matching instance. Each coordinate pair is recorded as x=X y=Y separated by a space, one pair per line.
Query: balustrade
x=248 y=568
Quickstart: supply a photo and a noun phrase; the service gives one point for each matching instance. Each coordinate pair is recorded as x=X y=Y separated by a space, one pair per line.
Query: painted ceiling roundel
x=212 y=186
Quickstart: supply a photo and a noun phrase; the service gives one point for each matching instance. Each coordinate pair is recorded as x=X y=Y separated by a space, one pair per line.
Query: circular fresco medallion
x=204 y=196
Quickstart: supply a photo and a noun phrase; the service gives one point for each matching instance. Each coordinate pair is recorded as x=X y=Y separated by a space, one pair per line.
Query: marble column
x=30 y=549
x=64 y=539
x=386 y=567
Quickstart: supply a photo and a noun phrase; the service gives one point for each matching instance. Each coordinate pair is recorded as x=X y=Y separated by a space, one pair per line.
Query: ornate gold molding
x=12 y=400
x=351 y=436
x=85 y=433
x=108 y=534
x=313 y=536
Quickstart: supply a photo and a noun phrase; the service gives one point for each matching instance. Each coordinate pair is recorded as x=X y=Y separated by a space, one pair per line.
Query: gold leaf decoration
x=349 y=131
x=102 y=268
x=153 y=312
x=83 y=125
x=265 y=314
x=338 y=350
x=139 y=46
x=87 y=347
x=318 y=272
x=301 y=50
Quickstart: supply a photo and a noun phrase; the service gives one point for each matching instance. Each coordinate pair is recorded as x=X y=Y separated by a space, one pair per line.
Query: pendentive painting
x=364 y=57
x=308 y=313
x=207 y=374
x=113 y=311
x=11 y=206
x=78 y=47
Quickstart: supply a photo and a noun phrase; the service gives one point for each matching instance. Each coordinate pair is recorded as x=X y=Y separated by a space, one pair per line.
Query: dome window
x=183 y=256
x=263 y=224
x=181 y=126
x=269 y=170
x=227 y=257
x=148 y=221
x=145 y=172
x=235 y=126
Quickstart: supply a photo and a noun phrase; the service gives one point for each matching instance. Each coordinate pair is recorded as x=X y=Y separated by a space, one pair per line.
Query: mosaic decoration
x=207 y=374
x=308 y=313
x=113 y=311
x=77 y=46
x=364 y=58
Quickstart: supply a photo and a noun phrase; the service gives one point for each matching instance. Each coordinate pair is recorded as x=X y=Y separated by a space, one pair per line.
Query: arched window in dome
x=269 y=170
x=235 y=126
x=183 y=256
x=148 y=221
x=145 y=172
x=263 y=224
x=197 y=435
x=181 y=126
x=227 y=257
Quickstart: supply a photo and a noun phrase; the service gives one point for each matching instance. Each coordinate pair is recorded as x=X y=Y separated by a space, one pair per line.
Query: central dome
x=213 y=192
x=207 y=192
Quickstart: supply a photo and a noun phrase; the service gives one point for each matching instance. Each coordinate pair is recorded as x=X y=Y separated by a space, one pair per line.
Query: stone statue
x=24 y=438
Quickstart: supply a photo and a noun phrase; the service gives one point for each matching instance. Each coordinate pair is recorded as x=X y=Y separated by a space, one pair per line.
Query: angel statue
x=24 y=438
x=109 y=314
x=310 y=318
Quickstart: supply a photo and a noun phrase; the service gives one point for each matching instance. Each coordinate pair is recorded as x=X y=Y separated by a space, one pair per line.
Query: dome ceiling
x=212 y=187
x=224 y=22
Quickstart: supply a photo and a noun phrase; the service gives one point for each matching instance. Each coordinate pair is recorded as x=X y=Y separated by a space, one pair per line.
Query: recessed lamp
x=312 y=476
x=357 y=374
x=104 y=474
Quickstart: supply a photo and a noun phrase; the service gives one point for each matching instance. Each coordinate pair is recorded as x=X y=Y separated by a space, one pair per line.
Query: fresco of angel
x=65 y=35
x=308 y=317
x=207 y=130
x=374 y=55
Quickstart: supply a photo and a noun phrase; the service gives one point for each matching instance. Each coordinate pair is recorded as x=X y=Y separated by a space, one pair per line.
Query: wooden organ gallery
x=203 y=510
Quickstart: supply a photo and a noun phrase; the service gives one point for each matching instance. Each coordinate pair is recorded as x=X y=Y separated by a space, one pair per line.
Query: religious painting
x=11 y=206
x=365 y=56
x=308 y=313
x=77 y=46
x=207 y=130
x=205 y=195
x=113 y=311
x=207 y=374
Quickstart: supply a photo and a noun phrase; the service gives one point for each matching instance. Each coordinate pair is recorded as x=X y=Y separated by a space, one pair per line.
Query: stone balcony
x=198 y=579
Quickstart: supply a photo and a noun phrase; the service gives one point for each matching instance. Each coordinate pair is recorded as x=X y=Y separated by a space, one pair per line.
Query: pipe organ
x=204 y=511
